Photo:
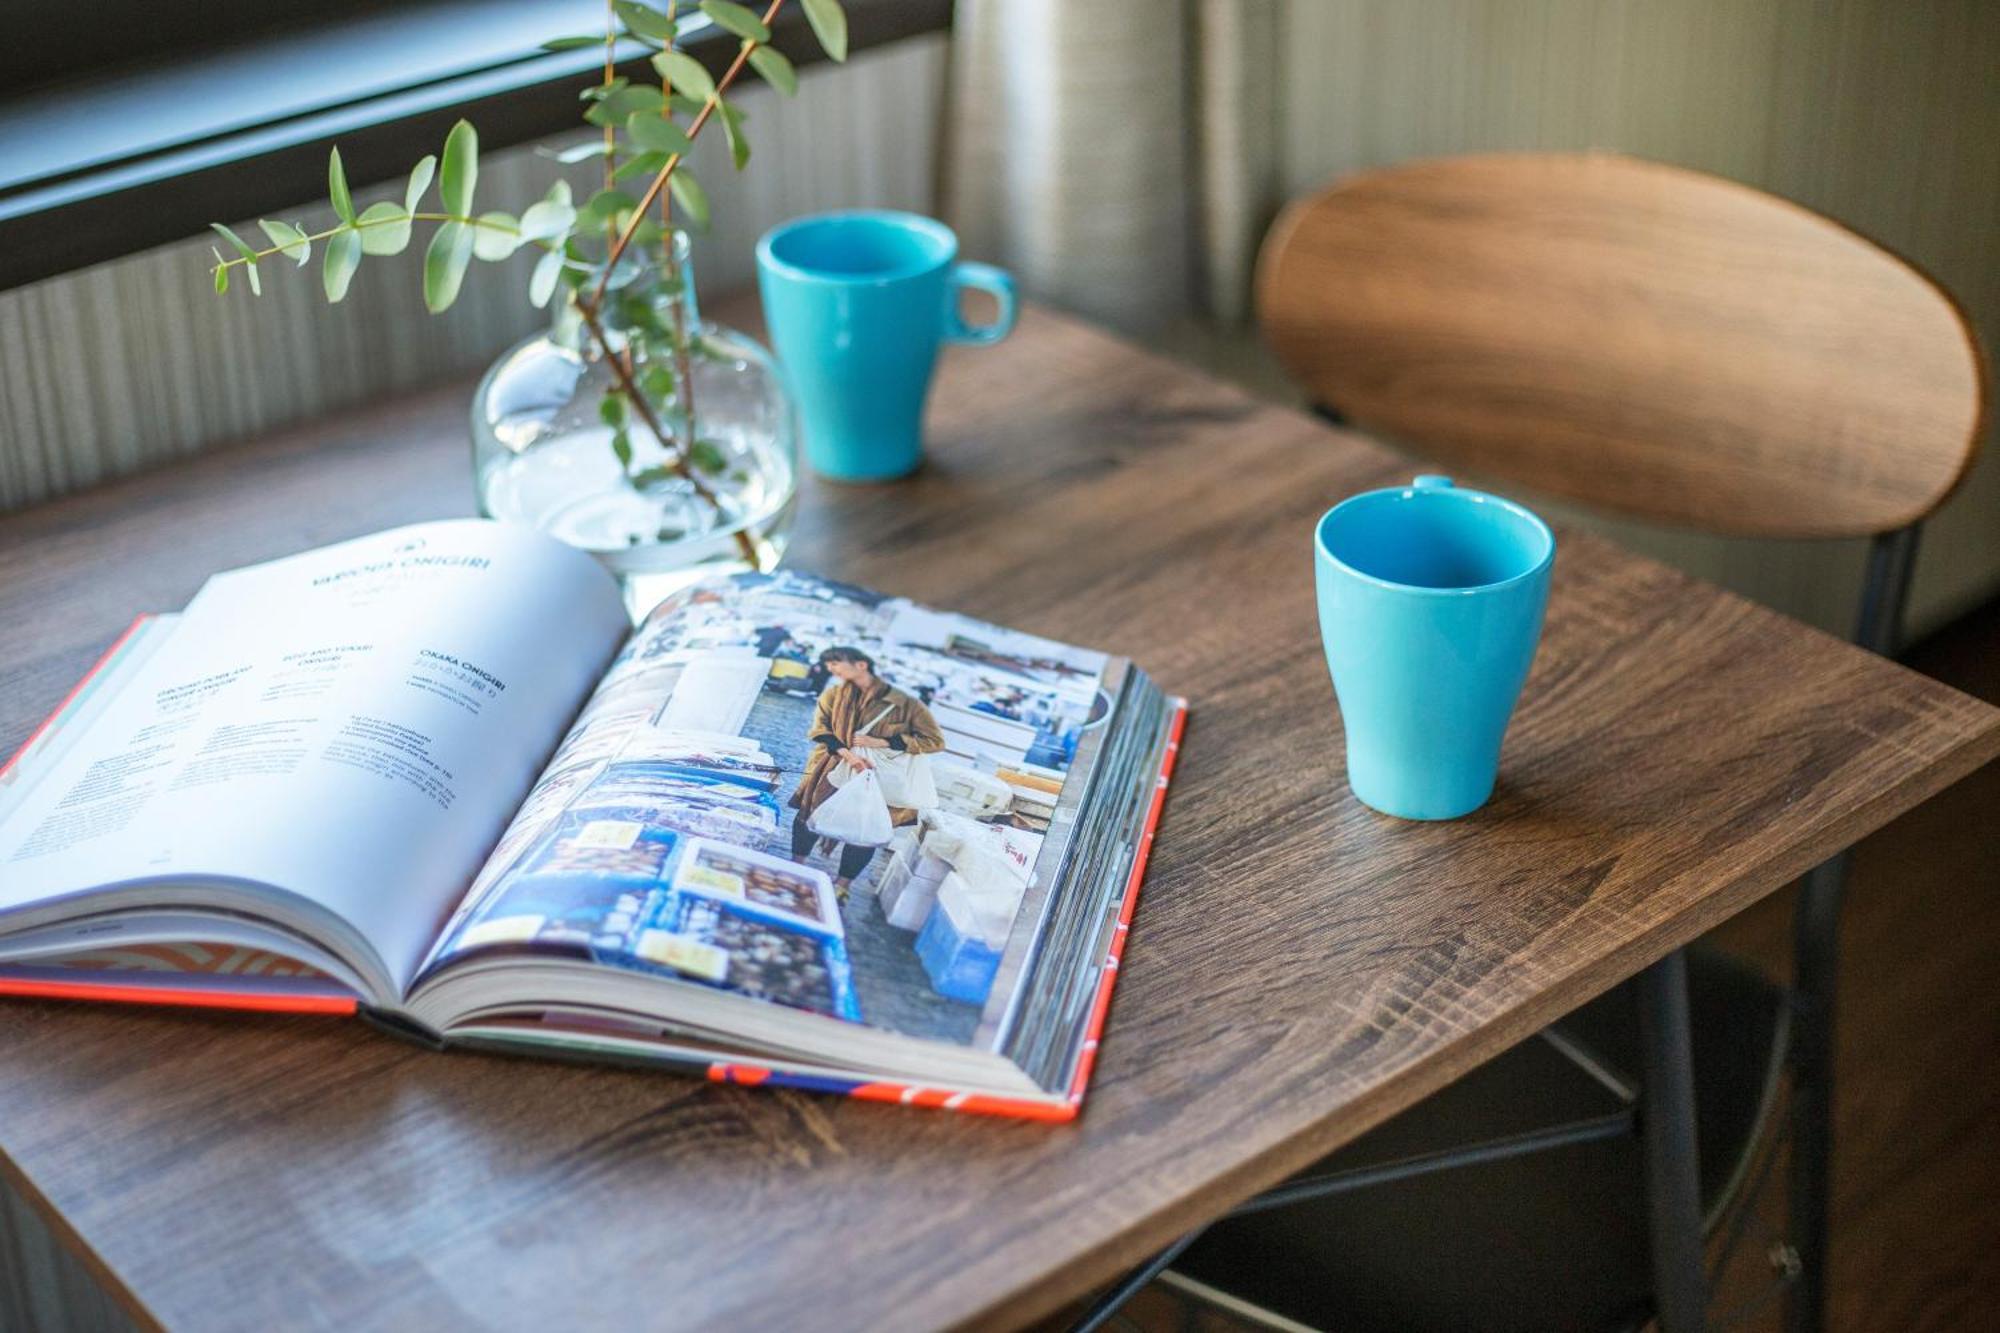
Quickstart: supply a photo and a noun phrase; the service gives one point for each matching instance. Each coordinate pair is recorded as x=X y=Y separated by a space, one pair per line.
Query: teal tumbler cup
x=1430 y=608
x=857 y=304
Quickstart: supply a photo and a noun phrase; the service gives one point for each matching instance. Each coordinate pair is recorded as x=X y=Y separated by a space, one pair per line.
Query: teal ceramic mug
x=857 y=304
x=1430 y=608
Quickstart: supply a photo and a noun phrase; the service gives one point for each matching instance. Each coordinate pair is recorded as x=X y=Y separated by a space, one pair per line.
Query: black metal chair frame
x=1661 y=1109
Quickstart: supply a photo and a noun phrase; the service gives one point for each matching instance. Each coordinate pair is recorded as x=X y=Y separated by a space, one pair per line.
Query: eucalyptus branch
x=649 y=316
x=488 y=223
x=693 y=131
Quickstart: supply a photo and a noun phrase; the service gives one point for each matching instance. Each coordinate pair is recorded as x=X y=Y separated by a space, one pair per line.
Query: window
x=126 y=124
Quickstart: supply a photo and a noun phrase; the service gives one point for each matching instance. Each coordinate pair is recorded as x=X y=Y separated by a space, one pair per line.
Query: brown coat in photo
x=842 y=711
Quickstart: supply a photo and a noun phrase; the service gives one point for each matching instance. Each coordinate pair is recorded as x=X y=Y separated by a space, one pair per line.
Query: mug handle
x=985 y=278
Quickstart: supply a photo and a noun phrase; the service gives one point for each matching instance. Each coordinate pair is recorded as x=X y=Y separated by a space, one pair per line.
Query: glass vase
x=716 y=496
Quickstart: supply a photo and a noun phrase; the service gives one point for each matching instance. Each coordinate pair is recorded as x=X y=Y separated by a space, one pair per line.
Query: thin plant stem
x=610 y=151
x=610 y=131
x=683 y=362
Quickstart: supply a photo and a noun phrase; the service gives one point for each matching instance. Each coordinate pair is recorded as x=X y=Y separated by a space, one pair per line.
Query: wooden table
x=1300 y=968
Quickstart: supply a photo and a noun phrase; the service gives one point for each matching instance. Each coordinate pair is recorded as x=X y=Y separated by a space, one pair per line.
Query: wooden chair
x=1669 y=345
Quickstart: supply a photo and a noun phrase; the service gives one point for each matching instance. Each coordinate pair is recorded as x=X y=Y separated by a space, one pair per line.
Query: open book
x=434 y=777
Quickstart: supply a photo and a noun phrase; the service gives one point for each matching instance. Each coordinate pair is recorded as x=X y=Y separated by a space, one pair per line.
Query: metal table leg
x=1673 y=1177
x=1816 y=953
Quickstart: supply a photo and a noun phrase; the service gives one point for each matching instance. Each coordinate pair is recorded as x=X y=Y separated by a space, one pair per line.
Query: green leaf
x=646 y=164
x=683 y=105
x=621 y=445
x=686 y=73
x=658 y=382
x=638 y=312
x=598 y=91
x=292 y=243
x=644 y=21
x=707 y=456
x=619 y=106
x=460 y=172
x=611 y=409
x=256 y=283
x=571 y=43
x=343 y=256
x=547 y=220
x=496 y=237
x=542 y=283
x=234 y=240
x=445 y=262
x=777 y=70
x=655 y=133
x=732 y=130
x=385 y=228
x=829 y=24
x=221 y=276
x=576 y=271
x=606 y=205
x=691 y=197
x=583 y=152
x=336 y=187
x=657 y=475
x=420 y=180
x=737 y=19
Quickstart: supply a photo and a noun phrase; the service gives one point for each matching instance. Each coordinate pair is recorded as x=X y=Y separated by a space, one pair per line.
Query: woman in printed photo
x=858 y=714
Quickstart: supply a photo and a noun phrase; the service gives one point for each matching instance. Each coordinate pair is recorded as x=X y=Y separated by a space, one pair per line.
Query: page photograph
x=802 y=792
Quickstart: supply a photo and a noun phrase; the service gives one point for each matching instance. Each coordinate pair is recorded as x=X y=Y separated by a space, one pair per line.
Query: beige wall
x=1884 y=114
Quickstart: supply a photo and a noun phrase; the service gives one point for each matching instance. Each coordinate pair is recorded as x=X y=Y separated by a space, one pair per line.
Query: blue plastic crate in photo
x=961 y=966
x=594 y=855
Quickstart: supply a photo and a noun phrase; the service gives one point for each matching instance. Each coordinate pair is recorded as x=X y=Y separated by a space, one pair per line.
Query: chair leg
x=1106 y=1307
x=1816 y=954
x=1673 y=1168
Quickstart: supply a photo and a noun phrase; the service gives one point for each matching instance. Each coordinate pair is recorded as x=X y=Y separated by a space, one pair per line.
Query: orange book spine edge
x=178 y=997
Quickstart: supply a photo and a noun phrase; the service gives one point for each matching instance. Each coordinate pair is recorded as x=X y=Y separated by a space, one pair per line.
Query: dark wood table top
x=1300 y=968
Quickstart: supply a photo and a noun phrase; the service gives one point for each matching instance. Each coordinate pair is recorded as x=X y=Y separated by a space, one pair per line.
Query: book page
x=682 y=829
x=354 y=725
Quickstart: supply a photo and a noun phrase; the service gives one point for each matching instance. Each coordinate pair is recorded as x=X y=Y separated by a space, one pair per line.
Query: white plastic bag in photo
x=855 y=814
x=905 y=779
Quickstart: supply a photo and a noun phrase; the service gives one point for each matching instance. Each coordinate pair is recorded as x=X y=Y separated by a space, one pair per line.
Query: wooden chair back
x=1633 y=336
